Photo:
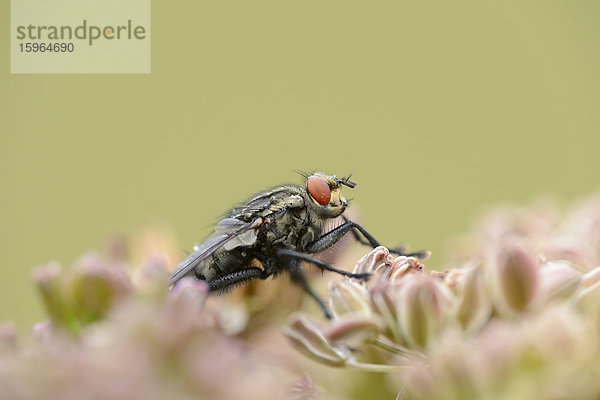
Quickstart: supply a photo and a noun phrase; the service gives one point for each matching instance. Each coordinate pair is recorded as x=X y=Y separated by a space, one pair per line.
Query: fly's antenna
x=347 y=182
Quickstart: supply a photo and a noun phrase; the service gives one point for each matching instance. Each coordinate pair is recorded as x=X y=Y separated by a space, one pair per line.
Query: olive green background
x=438 y=108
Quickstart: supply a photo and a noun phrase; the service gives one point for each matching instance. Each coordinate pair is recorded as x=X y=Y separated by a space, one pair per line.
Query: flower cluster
x=516 y=317
x=520 y=318
x=117 y=332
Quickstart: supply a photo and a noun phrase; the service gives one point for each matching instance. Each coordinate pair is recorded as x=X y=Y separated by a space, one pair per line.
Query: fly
x=279 y=228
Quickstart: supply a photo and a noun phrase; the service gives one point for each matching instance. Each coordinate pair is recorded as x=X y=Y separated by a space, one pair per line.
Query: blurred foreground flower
x=519 y=319
x=117 y=332
x=84 y=294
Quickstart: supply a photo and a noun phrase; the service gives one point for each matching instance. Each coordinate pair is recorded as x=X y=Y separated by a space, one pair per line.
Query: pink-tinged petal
x=42 y=330
x=353 y=331
x=571 y=248
x=181 y=316
x=303 y=388
x=308 y=338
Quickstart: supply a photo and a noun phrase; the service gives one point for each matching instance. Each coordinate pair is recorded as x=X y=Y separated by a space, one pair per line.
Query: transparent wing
x=231 y=233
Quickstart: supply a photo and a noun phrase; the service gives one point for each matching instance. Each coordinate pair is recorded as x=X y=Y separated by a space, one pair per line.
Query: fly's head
x=324 y=193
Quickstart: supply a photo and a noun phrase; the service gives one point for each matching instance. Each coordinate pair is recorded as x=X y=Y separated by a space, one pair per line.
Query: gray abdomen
x=222 y=262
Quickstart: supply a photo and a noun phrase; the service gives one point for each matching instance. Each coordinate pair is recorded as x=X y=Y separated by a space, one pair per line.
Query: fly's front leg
x=361 y=240
x=224 y=281
x=321 y=264
x=331 y=237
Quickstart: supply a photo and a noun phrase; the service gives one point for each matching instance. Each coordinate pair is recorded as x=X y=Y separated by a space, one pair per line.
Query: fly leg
x=331 y=237
x=292 y=265
x=361 y=240
x=321 y=264
x=233 y=278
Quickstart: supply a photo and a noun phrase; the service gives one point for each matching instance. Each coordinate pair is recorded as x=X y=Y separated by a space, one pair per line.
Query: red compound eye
x=318 y=189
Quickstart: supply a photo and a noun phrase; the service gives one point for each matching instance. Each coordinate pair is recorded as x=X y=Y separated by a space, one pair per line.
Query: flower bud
x=307 y=338
x=402 y=265
x=516 y=277
x=182 y=313
x=384 y=303
x=48 y=281
x=558 y=280
x=373 y=262
x=151 y=278
x=348 y=297
x=95 y=287
x=187 y=297
x=474 y=306
x=354 y=331
x=423 y=309
x=572 y=248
